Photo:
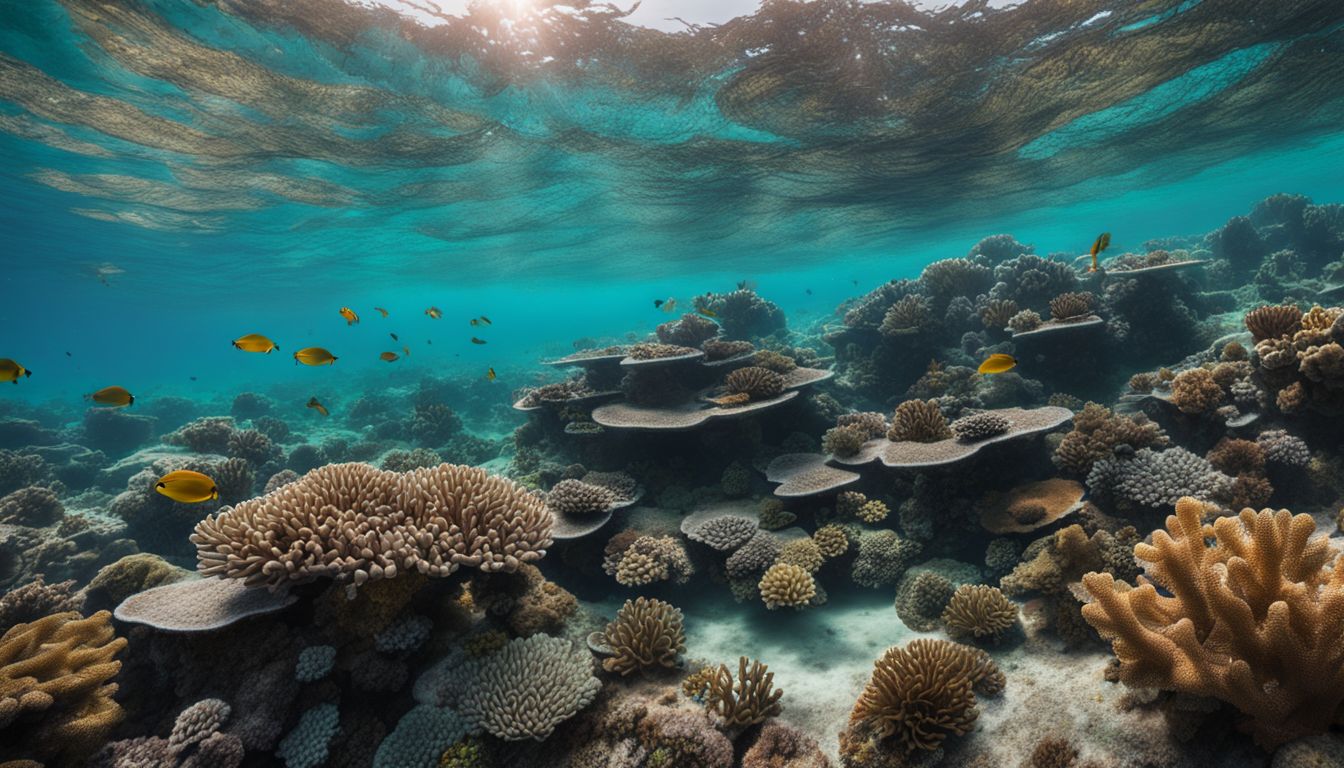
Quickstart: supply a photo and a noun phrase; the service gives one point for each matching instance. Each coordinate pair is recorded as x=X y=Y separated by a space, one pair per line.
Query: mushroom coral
x=1249 y=614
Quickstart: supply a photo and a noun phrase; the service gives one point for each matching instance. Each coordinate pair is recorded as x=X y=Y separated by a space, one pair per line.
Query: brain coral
x=980 y=611
x=351 y=521
x=575 y=497
x=920 y=694
x=1249 y=614
x=646 y=633
x=786 y=585
x=754 y=381
x=526 y=689
x=920 y=421
x=56 y=700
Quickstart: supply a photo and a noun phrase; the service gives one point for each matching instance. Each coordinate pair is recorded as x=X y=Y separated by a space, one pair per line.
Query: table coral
x=1249 y=615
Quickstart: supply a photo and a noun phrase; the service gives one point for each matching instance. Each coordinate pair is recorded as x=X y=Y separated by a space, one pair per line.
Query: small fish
x=394 y=336
x=255 y=342
x=67 y=354
x=389 y=357
x=486 y=320
x=809 y=291
x=11 y=371
x=193 y=378
x=314 y=356
x=475 y=340
x=380 y=311
x=657 y=303
x=117 y=397
x=474 y=322
x=429 y=341
x=746 y=285
x=706 y=311
x=1102 y=242
x=434 y=312
x=406 y=350
x=997 y=363
x=187 y=487
x=316 y=406
x=670 y=305
x=349 y=314
x=856 y=282
x=490 y=374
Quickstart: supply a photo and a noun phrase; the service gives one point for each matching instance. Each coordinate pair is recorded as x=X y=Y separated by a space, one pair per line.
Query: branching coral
x=251 y=445
x=831 y=541
x=1273 y=322
x=351 y=521
x=1026 y=320
x=652 y=351
x=996 y=313
x=921 y=598
x=977 y=610
x=753 y=557
x=526 y=689
x=920 y=421
x=724 y=532
x=1097 y=433
x=575 y=497
x=803 y=553
x=33 y=506
x=55 y=692
x=646 y=634
x=1196 y=391
x=956 y=277
x=787 y=586
x=908 y=316
x=688 y=331
x=844 y=441
x=653 y=558
x=750 y=698
x=755 y=382
x=205 y=435
x=1249 y=614
x=1155 y=479
x=919 y=695
x=1067 y=306
x=872 y=424
x=719 y=349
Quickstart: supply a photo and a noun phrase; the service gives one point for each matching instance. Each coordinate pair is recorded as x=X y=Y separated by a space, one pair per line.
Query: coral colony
x=1084 y=561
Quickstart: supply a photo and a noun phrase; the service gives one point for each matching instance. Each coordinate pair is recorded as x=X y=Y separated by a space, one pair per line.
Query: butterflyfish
x=349 y=314
x=12 y=371
x=314 y=356
x=316 y=406
x=187 y=487
x=255 y=342
x=434 y=312
x=388 y=357
x=1102 y=242
x=997 y=363
x=116 y=397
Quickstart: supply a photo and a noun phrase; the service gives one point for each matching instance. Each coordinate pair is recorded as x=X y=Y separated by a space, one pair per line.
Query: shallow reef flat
x=744 y=540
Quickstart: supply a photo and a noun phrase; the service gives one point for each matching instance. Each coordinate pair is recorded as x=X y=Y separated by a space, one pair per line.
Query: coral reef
x=919 y=421
x=749 y=698
x=785 y=585
x=645 y=634
x=976 y=610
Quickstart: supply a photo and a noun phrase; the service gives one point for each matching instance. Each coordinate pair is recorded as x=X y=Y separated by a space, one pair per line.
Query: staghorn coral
x=750 y=698
x=524 y=690
x=919 y=695
x=1247 y=616
x=1097 y=433
x=919 y=421
x=646 y=634
x=1273 y=322
x=353 y=522
x=575 y=497
x=1196 y=391
x=977 y=610
x=754 y=381
x=786 y=586
x=56 y=698
x=1067 y=306
x=980 y=426
x=908 y=316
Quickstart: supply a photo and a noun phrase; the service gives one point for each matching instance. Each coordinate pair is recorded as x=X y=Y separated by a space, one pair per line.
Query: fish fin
x=130 y=400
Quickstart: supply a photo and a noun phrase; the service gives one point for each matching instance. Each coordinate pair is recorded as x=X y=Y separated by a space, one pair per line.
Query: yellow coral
x=1252 y=618
x=831 y=541
x=803 y=553
x=980 y=611
x=56 y=700
x=785 y=585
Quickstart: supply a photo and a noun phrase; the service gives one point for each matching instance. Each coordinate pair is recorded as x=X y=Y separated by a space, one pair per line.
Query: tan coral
x=1032 y=505
x=919 y=421
x=1096 y=432
x=831 y=541
x=922 y=693
x=646 y=634
x=1324 y=364
x=978 y=610
x=1250 y=614
x=1273 y=322
x=754 y=381
x=749 y=699
x=358 y=523
x=803 y=553
x=873 y=511
x=56 y=694
x=1196 y=391
x=1070 y=305
x=787 y=586
x=907 y=316
x=997 y=312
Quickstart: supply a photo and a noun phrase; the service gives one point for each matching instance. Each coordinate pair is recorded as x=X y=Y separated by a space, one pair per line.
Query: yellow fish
x=475 y=340
x=316 y=406
x=349 y=314
x=406 y=351
x=388 y=357
x=314 y=356
x=490 y=374
x=116 y=397
x=255 y=342
x=667 y=306
x=707 y=312
x=997 y=363
x=474 y=322
x=486 y=320
x=187 y=487
x=380 y=311
x=434 y=312
x=11 y=371
x=1102 y=242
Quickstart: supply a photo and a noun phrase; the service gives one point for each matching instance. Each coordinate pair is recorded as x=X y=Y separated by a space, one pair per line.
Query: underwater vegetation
x=742 y=541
